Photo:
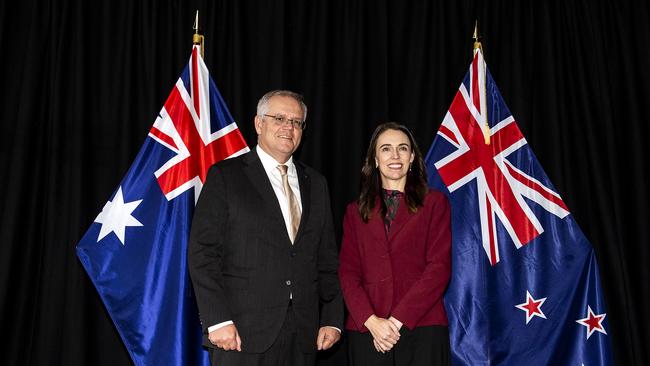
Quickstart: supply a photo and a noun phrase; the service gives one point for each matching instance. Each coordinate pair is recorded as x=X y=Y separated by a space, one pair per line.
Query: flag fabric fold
x=525 y=288
x=135 y=250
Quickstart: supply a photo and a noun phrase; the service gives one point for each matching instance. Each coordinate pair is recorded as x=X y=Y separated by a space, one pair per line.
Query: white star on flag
x=532 y=307
x=593 y=322
x=116 y=216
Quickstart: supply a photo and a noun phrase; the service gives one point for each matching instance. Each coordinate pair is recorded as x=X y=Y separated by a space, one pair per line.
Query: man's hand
x=226 y=338
x=384 y=332
x=327 y=336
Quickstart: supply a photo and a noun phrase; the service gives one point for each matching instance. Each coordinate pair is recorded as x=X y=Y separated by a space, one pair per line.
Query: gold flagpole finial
x=482 y=79
x=477 y=43
x=197 y=38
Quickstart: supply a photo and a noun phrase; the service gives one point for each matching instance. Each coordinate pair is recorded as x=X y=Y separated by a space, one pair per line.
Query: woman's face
x=393 y=158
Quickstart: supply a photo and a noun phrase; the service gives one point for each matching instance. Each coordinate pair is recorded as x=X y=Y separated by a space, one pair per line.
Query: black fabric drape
x=82 y=82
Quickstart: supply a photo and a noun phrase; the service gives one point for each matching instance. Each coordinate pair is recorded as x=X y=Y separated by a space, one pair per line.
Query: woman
x=395 y=258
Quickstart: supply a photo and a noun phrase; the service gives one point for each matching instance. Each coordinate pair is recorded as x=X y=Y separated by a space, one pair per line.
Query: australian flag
x=525 y=288
x=135 y=250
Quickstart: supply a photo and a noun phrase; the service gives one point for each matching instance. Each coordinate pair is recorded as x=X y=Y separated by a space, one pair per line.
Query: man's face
x=279 y=140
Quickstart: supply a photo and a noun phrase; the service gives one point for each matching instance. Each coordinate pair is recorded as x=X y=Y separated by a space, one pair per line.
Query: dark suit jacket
x=243 y=265
x=403 y=274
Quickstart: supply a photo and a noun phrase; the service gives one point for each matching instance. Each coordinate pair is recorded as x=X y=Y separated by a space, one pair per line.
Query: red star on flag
x=593 y=322
x=532 y=307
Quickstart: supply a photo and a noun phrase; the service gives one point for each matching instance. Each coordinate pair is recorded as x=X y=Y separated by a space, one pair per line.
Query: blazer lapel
x=254 y=170
x=305 y=197
x=376 y=226
x=401 y=218
x=376 y=223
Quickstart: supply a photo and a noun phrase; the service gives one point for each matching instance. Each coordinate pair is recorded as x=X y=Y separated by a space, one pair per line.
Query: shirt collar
x=271 y=165
x=391 y=193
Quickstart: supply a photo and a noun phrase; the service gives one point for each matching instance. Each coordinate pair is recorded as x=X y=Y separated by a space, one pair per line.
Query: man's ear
x=258 y=124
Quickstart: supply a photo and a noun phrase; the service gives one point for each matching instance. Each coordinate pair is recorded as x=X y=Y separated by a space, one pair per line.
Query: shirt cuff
x=220 y=325
x=329 y=326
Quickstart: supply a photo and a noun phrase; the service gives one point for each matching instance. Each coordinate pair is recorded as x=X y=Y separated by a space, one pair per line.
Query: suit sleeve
x=350 y=272
x=328 y=283
x=205 y=250
x=429 y=289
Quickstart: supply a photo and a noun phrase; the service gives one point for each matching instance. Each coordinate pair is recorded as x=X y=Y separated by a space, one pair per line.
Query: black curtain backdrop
x=82 y=82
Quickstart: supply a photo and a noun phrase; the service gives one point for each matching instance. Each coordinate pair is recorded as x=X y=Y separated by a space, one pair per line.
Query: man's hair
x=370 y=192
x=263 y=104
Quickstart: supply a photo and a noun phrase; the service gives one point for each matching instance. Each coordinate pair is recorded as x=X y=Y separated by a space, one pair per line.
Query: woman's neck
x=392 y=185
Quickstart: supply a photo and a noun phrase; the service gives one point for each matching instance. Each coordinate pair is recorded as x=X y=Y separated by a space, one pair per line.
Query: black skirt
x=427 y=345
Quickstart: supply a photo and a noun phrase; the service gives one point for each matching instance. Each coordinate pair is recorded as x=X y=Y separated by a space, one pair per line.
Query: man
x=262 y=253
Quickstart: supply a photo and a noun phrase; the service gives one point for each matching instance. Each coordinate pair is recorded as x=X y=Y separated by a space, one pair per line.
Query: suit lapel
x=305 y=197
x=254 y=170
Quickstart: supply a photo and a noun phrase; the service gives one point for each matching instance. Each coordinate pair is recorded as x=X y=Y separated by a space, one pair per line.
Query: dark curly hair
x=416 y=184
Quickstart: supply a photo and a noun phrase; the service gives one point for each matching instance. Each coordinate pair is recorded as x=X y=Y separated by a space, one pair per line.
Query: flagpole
x=478 y=47
x=197 y=38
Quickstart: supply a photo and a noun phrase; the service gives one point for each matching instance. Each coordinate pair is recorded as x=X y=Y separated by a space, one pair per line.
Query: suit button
x=288 y=282
x=293 y=254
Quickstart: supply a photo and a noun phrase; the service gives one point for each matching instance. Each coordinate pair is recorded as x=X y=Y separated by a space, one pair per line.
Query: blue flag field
x=135 y=250
x=525 y=288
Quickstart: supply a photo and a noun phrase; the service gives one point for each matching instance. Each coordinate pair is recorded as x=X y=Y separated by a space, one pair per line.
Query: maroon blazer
x=403 y=274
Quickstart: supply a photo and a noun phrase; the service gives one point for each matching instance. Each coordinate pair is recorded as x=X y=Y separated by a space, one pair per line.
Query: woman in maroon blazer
x=395 y=258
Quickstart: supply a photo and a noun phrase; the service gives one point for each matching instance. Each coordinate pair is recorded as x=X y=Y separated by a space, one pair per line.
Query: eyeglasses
x=281 y=121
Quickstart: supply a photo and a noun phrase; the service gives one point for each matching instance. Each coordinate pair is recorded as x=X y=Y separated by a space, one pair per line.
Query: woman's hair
x=370 y=190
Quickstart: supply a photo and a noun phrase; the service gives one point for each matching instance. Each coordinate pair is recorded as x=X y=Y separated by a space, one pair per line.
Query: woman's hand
x=384 y=332
x=397 y=323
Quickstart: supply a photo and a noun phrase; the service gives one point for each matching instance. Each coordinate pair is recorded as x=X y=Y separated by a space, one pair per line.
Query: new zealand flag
x=525 y=288
x=135 y=251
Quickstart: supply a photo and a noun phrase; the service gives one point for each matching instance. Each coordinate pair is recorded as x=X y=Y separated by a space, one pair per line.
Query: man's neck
x=279 y=159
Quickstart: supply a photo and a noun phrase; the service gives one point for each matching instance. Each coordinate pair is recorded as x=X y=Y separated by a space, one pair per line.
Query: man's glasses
x=281 y=121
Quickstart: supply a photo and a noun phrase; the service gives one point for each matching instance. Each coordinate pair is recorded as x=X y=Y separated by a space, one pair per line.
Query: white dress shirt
x=272 y=171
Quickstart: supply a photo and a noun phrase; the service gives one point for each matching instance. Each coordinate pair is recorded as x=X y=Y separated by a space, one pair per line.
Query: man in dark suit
x=262 y=254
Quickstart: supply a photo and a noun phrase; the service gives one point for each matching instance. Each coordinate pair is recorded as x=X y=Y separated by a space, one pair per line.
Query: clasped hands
x=385 y=332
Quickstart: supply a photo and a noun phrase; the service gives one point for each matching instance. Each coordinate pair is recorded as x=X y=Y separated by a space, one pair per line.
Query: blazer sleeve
x=429 y=289
x=350 y=272
x=205 y=250
x=328 y=283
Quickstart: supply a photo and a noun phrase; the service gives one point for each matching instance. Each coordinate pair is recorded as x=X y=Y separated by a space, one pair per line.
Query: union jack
x=187 y=130
x=501 y=186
